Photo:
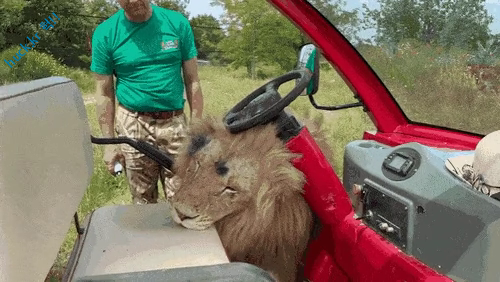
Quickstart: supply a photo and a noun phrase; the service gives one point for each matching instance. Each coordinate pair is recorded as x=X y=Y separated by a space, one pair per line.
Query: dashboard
x=411 y=199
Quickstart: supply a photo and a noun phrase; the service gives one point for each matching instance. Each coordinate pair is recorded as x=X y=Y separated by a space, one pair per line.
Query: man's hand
x=356 y=196
x=112 y=155
x=193 y=88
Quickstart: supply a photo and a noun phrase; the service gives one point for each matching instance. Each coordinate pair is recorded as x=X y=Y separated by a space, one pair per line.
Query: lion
x=247 y=187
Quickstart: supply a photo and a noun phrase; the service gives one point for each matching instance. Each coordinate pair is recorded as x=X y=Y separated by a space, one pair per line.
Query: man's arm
x=194 y=94
x=105 y=98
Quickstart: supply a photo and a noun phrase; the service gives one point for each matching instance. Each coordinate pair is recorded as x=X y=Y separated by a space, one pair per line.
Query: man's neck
x=142 y=18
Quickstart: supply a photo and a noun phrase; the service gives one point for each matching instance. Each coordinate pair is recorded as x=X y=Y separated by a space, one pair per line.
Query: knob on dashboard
x=383 y=226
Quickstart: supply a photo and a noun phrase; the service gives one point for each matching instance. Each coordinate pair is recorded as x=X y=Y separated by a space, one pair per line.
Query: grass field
x=222 y=89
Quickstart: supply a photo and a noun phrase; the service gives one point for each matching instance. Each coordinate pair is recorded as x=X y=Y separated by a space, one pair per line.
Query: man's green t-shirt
x=310 y=66
x=147 y=58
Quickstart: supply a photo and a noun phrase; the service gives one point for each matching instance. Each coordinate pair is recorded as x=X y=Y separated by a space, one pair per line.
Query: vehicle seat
x=46 y=164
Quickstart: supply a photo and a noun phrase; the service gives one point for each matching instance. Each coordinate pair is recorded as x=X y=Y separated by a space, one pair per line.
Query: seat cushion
x=134 y=238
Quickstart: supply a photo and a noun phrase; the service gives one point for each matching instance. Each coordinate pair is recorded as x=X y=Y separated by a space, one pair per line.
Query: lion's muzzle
x=189 y=220
x=183 y=217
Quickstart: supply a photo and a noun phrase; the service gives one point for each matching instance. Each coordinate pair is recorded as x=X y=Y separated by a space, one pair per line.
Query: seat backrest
x=46 y=164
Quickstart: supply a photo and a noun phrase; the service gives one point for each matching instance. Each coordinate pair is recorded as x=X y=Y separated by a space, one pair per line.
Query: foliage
x=36 y=65
x=66 y=40
x=177 y=5
x=432 y=85
x=449 y=23
x=208 y=34
x=259 y=35
x=256 y=32
x=485 y=55
x=9 y=15
x=33 y=65
x=101 y=9
x=347 y=22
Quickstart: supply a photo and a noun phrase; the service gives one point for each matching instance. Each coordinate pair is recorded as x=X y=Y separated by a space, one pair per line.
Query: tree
x=176 y=5
x=66 y=40
x=101 y=9
x=207 y=35
x=467 y=24
x=346 y=21
x=449 y=23
x=10 y=19
x=257 y=33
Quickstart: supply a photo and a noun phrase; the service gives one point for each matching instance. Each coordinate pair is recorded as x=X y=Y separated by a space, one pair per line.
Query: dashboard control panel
x=412 y=200
x=386 y=213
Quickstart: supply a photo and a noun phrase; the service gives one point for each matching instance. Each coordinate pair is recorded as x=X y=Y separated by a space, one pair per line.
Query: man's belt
x=155 y=115
x=162 y=115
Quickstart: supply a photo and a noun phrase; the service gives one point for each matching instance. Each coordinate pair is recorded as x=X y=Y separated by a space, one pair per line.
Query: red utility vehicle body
x=346 y=249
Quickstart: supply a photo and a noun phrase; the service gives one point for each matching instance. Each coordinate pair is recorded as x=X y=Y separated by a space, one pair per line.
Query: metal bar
x=77 y=224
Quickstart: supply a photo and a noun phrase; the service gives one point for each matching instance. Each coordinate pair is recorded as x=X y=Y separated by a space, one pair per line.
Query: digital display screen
x=397 y=162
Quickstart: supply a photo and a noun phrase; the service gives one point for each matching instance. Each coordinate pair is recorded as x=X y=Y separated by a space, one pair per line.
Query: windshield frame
x=402 y=129
x=392 y=126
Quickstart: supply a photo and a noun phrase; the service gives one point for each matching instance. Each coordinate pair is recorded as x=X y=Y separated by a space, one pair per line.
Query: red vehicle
x=418 y=221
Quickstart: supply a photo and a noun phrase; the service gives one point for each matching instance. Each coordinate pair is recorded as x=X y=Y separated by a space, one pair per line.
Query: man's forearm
x=106 y=113
x=195 y=99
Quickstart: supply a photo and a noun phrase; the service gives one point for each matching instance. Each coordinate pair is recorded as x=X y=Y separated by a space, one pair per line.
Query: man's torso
x=147 y=60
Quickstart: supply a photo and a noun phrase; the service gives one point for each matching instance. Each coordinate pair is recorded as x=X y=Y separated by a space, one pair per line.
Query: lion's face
x=213 y=185
x=220 y=174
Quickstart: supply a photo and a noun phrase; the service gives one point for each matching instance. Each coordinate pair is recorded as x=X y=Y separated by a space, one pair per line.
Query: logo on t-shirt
x=170 y=44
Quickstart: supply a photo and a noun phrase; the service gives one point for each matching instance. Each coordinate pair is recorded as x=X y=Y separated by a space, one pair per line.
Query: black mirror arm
x=334 y=108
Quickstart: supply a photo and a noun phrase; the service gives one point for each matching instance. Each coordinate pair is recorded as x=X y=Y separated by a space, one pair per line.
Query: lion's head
x=222 y=174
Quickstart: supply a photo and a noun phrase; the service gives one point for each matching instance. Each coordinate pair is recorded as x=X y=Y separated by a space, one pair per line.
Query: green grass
x=433 y=86
x=222 y=89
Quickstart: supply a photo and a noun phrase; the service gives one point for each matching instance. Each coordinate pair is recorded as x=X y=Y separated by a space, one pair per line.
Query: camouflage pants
x=142 y=172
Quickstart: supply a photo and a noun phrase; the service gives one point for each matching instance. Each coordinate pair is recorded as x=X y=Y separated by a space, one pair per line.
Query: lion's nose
x=181 y=215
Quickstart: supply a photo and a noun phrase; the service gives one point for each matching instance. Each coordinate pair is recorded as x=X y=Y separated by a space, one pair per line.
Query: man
x=147 y=47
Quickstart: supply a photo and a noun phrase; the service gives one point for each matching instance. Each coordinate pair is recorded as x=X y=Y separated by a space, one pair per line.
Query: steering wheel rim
x=245 y=115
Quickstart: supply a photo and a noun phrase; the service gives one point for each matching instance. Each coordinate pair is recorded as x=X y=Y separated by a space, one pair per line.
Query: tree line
x=252 y=33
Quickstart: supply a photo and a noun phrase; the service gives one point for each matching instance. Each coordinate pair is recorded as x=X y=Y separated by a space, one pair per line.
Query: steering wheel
x=265 y=103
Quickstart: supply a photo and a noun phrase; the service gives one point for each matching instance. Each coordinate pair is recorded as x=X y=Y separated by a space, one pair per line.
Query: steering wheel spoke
x=265 y=103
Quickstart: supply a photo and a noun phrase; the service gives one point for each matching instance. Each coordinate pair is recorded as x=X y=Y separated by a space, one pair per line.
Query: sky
x=198 y=7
